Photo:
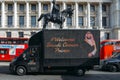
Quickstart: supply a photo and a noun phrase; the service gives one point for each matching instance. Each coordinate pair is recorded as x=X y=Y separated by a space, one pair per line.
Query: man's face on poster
x=88 y=35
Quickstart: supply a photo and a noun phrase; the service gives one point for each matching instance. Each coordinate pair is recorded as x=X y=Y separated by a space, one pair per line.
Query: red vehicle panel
x=12 y=47
x=108 y=47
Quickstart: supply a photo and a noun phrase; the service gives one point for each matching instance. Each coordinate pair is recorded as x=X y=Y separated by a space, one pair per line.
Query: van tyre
x=80 y=72
x=21 y=70
x=113 y=68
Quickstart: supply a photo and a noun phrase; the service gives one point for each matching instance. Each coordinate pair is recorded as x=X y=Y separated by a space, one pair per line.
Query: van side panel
x=69 y=48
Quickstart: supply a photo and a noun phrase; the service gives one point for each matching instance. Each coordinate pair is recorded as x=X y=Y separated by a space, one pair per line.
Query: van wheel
x=21 y=70
x=113 y=68
x=81 y=72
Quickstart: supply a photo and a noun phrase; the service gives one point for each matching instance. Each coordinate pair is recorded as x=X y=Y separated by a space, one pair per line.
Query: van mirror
x=24 y=57
x=32 y=55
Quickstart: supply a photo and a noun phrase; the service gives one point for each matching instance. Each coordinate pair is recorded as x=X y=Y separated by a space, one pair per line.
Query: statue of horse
x=59 y=19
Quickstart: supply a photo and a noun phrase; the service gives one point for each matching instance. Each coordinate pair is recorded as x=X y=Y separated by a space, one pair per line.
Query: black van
x=59 y=50
x=112 y=64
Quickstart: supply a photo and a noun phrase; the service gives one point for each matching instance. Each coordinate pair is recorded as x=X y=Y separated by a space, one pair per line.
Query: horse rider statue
x=56 y=16
x=55 y=10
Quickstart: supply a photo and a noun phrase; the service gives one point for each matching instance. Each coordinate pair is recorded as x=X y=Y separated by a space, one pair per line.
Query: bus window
x=14 y=42
x=2 y=42
x=117 y=46
x=3 y=51
x=108 y=47
x=26 y=41
x=18 y=44
x=9 y=42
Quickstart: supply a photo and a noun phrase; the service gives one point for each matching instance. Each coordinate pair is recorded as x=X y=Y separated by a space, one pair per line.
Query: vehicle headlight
x=14 y=60
x=105 y=62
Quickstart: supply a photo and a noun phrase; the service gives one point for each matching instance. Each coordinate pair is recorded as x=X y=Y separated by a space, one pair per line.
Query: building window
x=10 y=7
x=104 y=21
x=80 y=21
x=58 y=5
x=8 y=34
x=69 y=21
x=32 y=33
x=80 y=8
x=0 y=7
x=21 y=34
x=0 y=21
x=119 y=19
x=33 y=7
x=92 y=8
x=92 y=21
x=107 y=35
x=119 y=5
x=33 y=21
x=45 y=7
x=21 y=7
x=104 y=9
x=10 y=21
x=21 y=21
x=69 y=6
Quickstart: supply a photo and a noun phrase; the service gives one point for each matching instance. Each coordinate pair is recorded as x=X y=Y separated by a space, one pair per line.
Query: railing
x=106 y=27
x=9 y=11
x=34 y=26
x=9 y=26
x=21 y=11
x=34 y=11
x=21 y=26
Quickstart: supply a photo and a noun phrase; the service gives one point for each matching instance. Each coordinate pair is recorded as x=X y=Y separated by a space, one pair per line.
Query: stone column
x=51 y=4
x=15 y=14
x=27 y=15
x=117 y=13
x=3 y=15
x=88 y=16
x=76 y=15
x=100 y=15
x=85 y=19
x=39 y=13
x=64 y=7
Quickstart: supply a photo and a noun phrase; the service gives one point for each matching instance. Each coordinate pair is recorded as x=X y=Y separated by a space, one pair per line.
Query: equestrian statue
x=56 y=16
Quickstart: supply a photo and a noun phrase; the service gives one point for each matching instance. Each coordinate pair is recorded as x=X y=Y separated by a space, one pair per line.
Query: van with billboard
x=75 y=51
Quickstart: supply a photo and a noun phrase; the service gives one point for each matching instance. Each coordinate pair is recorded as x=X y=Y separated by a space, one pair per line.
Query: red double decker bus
x=108 y=48
x=12 y=47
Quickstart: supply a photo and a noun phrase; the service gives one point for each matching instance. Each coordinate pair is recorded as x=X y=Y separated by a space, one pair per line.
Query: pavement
x=4 y=63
